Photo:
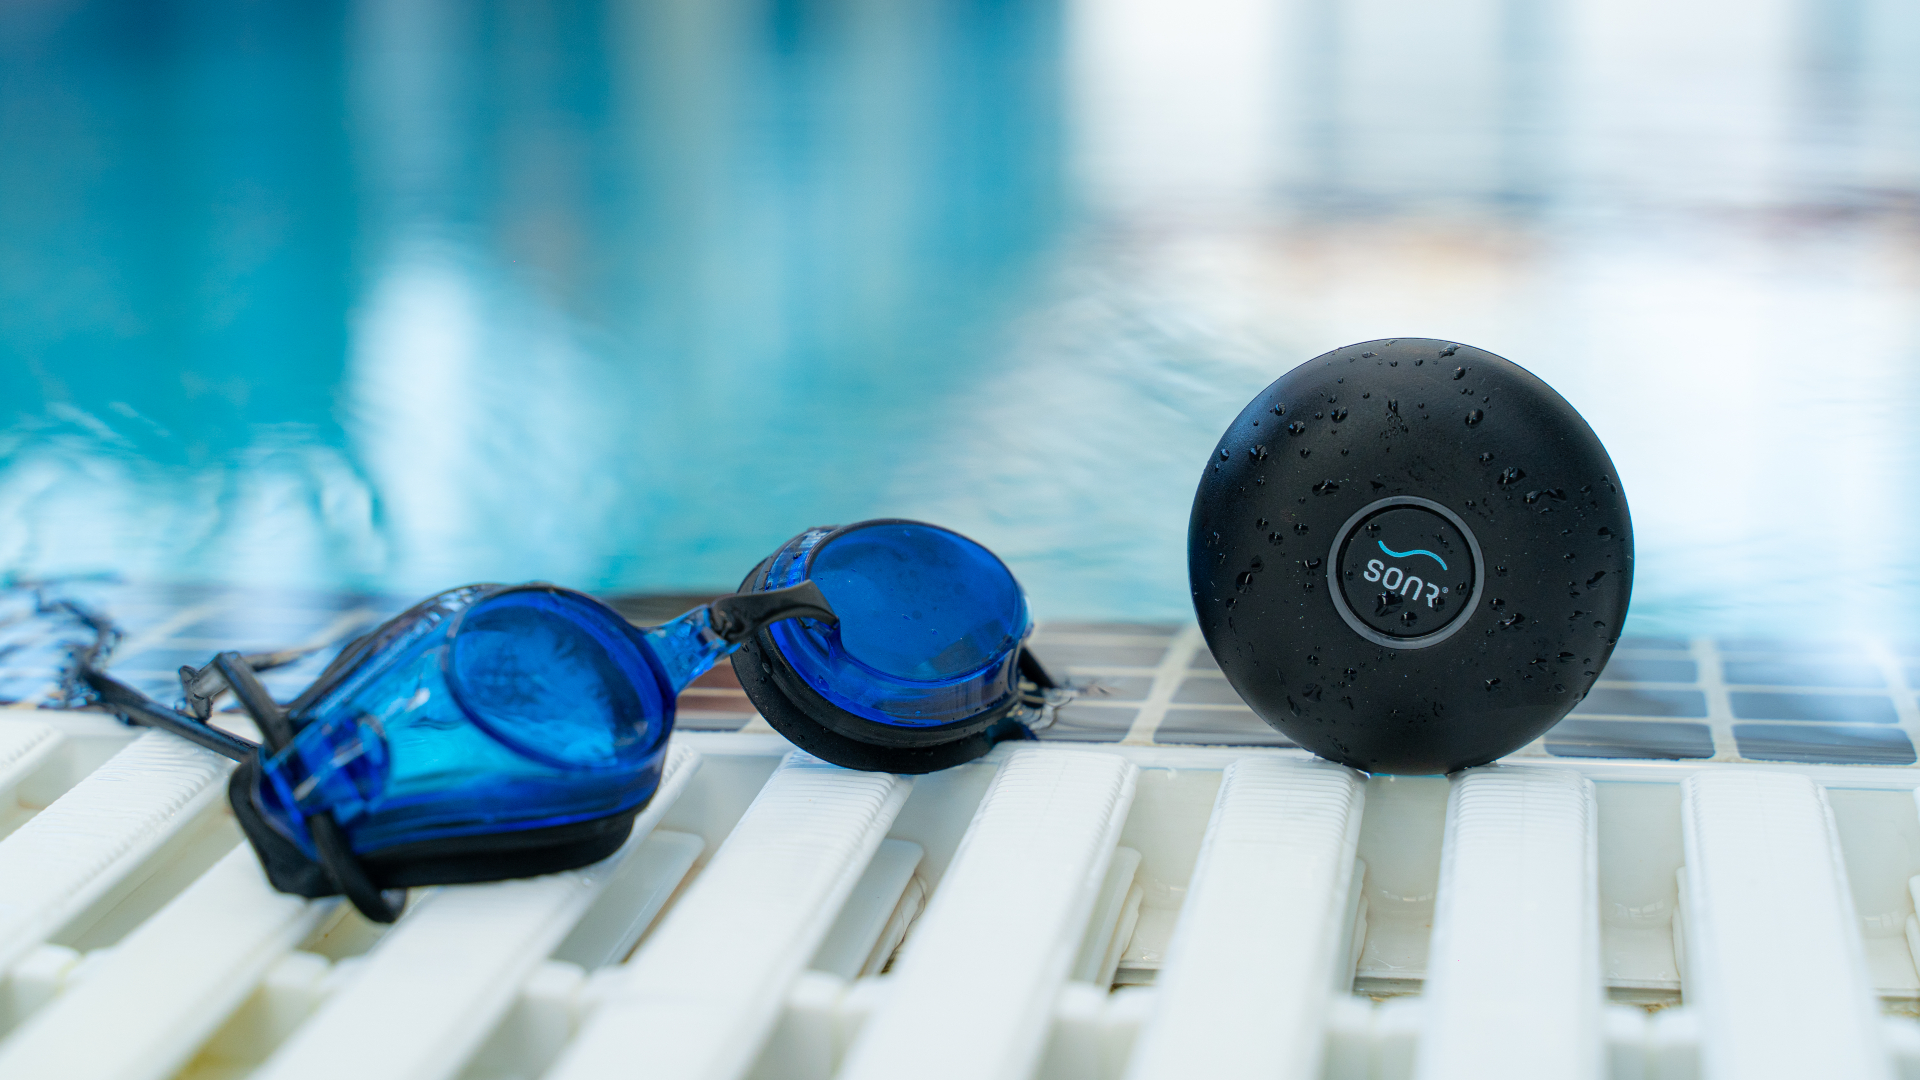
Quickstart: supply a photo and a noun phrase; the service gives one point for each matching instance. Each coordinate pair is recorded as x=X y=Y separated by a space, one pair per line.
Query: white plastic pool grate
x=1089 y=908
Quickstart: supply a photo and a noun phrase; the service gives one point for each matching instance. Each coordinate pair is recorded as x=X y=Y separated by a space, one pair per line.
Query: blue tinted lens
x=553 y=677
x=480 y=711
x=929 y=628
x=917 y=602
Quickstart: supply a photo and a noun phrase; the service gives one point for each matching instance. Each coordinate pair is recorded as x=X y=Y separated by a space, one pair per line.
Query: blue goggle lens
x=930 y=623
x=919 y=603
x=554 y=678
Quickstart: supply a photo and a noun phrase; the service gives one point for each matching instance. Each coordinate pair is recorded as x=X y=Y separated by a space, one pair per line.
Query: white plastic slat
x=617 y=920
x=24 y=747
x=868 y=910
x=1245 y=988
x=432 y=990
x=1774 y=958
x=705 y=990
x=76 y=849
x=157 y=995
x=975 y=988
x=1513 y=976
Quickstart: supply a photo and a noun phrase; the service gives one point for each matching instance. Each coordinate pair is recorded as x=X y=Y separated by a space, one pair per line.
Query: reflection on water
x=394 y=295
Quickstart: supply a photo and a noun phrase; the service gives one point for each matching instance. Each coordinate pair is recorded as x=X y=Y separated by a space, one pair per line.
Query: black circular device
x=1410 y=556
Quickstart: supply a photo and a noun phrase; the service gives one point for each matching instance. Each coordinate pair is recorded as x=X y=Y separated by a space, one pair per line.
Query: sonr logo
x=1397 y=580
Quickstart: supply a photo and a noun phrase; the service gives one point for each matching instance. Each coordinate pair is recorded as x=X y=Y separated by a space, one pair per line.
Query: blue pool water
x=392 y=296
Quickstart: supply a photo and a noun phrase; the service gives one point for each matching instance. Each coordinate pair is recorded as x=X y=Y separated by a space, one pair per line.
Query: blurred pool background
x=391 y=296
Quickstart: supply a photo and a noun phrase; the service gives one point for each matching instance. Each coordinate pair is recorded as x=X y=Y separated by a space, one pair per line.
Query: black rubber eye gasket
x=459 y=860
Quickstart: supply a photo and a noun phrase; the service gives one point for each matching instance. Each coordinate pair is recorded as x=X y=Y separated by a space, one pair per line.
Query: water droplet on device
x=1473 y=416
x=1260 y=524
x=1484 y=458
x=1305 y=452
x=1339 y=415
x=1595 y=579
x=1301 y=529
x=1223 y=453
x=1512 y=474
x=1449 y=350
x=1491 y=683
x=1604 y=531
x=1325 y=487
x=1459 y=372
x=1258 y=453
x=1296 y=428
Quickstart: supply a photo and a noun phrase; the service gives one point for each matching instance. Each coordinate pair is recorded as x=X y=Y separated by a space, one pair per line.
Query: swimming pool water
x=393 y=296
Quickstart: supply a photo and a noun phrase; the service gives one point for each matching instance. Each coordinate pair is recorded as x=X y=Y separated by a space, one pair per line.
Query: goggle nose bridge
x=735 y=618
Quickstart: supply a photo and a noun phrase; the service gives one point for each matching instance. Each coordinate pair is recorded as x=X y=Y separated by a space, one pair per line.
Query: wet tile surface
x=1773 y=672
x=1629 y=739
x=1769 y=700
x=1641 y=667
x=1090 y=723
x=1639 y=701
x=1833 y=744
x=1831 y=708
x=1069 y=657
x=1632 y=641
x=1203 y=690
x=1217 y=727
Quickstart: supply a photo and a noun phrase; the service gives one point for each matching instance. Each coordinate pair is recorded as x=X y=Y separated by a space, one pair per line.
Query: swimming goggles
x=493 y=731
x=487 y=732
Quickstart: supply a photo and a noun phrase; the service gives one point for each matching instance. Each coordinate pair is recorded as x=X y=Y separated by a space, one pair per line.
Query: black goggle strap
x=137 y=708
x=1041 y=695
x=234 y=670
x=203 y=685
x=329 y=839
x=1032 y=671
